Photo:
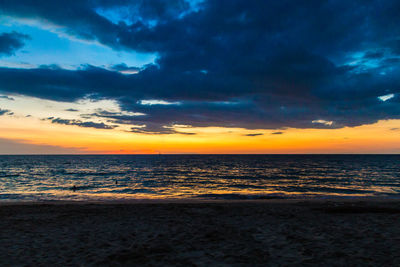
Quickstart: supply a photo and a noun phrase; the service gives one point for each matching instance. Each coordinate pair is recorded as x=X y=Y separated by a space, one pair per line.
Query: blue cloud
x=3 y=111
x=11 y=42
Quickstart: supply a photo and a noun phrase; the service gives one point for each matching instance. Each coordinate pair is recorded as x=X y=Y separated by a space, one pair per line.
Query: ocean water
x=118 y=177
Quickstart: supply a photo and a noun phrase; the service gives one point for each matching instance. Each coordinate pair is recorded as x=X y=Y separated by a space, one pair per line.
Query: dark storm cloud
x=251 y=64
x=11 y=42
x=81 y=19
x=86 y=124
x=143 y=124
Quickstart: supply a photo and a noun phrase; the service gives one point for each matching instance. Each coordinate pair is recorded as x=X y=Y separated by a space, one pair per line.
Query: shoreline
x=202 y=201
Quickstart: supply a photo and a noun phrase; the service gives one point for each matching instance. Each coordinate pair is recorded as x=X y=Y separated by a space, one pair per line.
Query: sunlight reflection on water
x=197 y=176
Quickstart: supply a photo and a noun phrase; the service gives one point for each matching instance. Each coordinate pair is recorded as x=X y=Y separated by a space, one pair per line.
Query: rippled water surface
x=107 y=177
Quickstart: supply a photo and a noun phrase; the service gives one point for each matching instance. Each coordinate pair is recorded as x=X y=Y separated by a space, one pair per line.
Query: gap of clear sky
x=179 y=76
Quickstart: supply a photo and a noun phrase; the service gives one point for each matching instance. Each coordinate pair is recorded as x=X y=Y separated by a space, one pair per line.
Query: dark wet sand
x=248 y=233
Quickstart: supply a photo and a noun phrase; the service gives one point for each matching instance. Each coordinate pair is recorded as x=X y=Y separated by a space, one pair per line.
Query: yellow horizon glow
x=375 y=138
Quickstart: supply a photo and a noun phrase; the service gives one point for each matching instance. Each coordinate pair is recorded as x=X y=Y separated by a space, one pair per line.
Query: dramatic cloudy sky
x=180 y=76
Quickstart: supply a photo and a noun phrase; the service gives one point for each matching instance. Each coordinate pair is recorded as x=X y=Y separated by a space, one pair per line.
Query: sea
x=227 y=177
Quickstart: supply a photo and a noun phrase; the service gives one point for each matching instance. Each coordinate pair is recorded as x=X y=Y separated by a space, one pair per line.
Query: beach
x=201 y=233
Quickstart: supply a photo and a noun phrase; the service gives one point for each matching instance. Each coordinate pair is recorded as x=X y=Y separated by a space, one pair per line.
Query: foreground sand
x=199 y=234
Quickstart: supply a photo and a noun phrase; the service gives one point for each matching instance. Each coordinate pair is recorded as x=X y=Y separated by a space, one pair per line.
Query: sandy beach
x=244 y=233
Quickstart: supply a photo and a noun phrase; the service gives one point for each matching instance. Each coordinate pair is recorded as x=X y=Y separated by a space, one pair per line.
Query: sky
x=199 y=76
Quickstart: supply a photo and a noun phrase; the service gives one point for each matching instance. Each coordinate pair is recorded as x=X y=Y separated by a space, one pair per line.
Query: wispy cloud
x=254 y=134
x=86 y=124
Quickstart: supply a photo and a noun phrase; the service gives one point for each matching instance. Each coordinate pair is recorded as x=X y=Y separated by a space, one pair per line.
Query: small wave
x=87 y=172
x=8 y=175
x=83 y=187
x=128 y=191
x=246 y=186
x=24 y=196
x=340 y=190
x=241 y=196
x=11 y=196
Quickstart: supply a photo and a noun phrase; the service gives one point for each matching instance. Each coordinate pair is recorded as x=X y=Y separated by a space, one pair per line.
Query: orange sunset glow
x=26 y=134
